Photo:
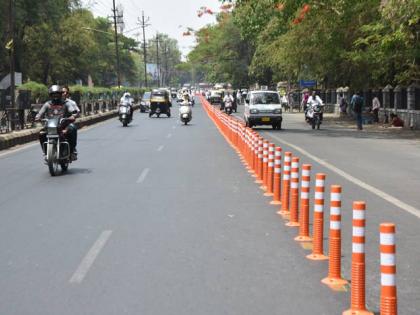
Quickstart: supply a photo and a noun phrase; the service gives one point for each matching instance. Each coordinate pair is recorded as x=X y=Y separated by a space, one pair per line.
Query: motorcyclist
x=66 y=96
x=228 y=97
x=314 y=100
x=128 y=100
x=58 y=106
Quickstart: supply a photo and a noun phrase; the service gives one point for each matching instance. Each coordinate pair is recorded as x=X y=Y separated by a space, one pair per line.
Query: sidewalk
x=375 y=129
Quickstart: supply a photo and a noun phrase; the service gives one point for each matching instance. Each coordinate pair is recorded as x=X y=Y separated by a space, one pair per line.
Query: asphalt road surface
x=161 y=218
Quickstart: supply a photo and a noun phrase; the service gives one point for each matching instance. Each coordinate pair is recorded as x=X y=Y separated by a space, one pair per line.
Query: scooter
x=185 y=112
x=228 y=107
x=313 y=115
x=124 y=113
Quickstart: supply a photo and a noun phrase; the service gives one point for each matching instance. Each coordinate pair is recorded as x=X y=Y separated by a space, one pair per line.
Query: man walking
x=357 y=105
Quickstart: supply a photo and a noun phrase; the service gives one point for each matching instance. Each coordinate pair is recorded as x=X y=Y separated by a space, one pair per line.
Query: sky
x=166 y=16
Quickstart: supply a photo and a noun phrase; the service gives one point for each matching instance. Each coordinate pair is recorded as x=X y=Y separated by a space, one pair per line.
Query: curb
x=12 y=139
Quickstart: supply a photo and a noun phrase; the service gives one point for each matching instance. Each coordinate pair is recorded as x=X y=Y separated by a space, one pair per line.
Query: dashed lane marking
x=391 y=199
x=90 y=257
x=143 y=176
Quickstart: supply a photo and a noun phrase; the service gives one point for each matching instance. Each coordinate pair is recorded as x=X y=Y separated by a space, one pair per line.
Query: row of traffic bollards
x=281 y=182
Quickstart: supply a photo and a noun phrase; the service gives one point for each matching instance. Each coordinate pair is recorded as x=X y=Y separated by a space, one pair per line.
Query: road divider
x=280 y=179
x=304 y=205
x=334 y=278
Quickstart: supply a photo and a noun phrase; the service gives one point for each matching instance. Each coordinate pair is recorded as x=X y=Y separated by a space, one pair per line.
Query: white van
x=263 y=108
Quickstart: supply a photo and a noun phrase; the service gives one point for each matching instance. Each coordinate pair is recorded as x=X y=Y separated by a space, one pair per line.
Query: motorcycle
x=57 y=148
x=185 y=112
x=313 y=115
x=228 y=107
x=124 y=113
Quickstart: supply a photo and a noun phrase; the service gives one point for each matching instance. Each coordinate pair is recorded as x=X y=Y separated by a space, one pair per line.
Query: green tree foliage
x=337 y=42
x=221 y=55
x=59 y=41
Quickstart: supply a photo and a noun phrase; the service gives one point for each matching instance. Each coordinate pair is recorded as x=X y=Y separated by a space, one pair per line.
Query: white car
x=263 y=108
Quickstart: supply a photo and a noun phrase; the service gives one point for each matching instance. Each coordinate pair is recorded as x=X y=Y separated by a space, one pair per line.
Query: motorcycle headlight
x=254 y=111
x=277 y=111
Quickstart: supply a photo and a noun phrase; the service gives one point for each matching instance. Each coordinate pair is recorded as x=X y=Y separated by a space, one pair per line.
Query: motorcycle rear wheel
x=52 y=160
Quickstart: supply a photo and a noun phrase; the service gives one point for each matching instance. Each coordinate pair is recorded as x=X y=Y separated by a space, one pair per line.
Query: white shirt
x=375 y=103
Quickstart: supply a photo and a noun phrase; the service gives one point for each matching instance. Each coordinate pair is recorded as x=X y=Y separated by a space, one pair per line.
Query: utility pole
x=166 y=52
x=157 y=58
x=144 y=23
x=12 y=61
x=117 y=52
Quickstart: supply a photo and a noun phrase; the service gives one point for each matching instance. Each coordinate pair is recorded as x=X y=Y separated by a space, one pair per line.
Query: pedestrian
x=357 y=105
x=376 y=104
x=343 y=105
x=396 y=121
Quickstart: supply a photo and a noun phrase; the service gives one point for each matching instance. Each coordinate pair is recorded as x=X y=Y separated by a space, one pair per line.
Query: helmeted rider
x=127 y=100
x=314 y=100
x=228 y=97
x=59 y=106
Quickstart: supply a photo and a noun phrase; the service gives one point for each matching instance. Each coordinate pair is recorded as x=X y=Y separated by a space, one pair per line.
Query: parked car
x=145 y=102
x=263 y=108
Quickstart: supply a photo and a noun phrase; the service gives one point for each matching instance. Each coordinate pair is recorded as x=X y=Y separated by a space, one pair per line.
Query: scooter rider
x=228 y=97
x=57 y=105
x=127 y=99
x=313 y=100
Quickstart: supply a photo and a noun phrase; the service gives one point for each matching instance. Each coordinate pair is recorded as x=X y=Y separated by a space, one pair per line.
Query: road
x=161 y=218
x=376 y=166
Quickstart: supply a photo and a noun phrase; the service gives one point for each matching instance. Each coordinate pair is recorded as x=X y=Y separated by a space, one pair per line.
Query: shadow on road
x=77 y=171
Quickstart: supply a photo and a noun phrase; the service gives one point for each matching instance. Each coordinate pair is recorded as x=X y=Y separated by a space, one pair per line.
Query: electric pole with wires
x=117 y=52
x=144 y=23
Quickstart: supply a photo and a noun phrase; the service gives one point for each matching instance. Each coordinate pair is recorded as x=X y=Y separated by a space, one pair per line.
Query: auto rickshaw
x=160 y=103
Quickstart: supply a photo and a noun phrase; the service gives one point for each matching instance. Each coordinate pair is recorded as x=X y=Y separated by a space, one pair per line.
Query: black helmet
x=56 y=93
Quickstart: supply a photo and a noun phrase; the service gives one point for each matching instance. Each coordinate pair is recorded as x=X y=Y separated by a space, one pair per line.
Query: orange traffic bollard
x=358 y=267
x=270 y=170
x=388 y=305
x=265 y=165
x=260 y=161
x=277 y=177
x=304 y=205
x=286 y=184
x=318 y=225
x=294 y=194
x=255 y=157
x=334 y=267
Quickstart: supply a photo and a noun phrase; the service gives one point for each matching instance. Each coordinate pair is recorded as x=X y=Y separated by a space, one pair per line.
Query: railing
x=403 y=101
x=19 y=119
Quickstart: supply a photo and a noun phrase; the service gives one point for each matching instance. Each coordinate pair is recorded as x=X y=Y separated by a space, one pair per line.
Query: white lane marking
x=160 y=148
x=169 y=135
x=143 y=176
x=391 y=199
x=90 y=257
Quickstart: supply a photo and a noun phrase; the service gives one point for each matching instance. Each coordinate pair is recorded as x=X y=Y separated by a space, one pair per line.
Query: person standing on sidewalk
x=376 y=104
x=357 y=105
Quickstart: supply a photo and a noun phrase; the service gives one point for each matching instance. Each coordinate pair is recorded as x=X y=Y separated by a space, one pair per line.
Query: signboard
x=307 y=83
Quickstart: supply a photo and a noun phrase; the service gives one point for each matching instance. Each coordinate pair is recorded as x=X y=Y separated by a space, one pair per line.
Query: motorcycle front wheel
x=52 y=159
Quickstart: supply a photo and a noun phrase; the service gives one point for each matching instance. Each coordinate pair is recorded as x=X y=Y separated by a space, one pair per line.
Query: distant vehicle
x=145 y=102
x=215 y=97
x=160 y=103
x=263 y=108
x=124 y=113
x=174 y=93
